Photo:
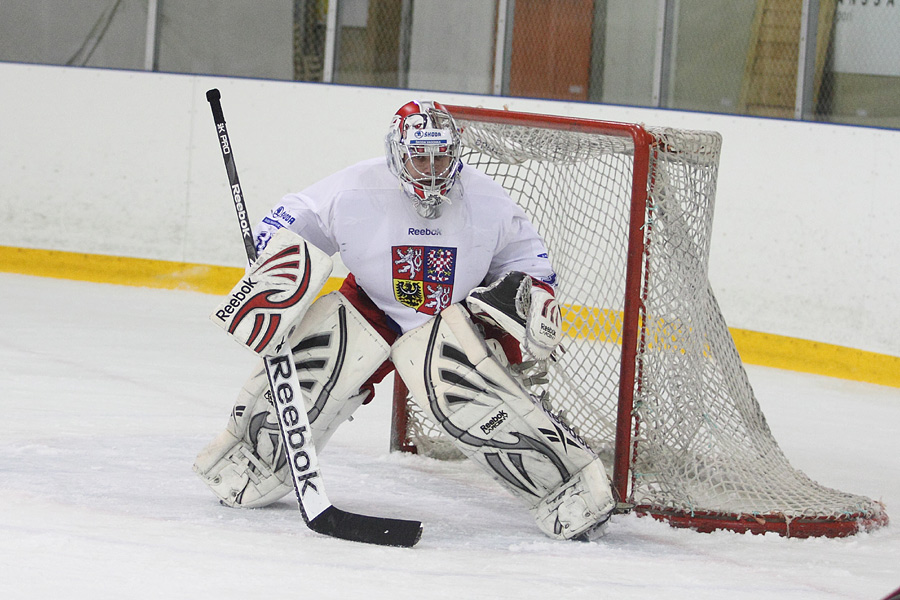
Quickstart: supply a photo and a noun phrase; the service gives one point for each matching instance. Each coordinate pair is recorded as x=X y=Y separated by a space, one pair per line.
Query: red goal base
x=797 y=527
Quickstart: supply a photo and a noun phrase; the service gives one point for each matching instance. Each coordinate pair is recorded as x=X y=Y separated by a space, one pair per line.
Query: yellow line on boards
x=805 y=356
x=138 y=272
x=764 y=349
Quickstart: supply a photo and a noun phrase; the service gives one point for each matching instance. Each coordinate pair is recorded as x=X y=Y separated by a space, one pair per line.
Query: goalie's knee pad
x=335 y=351
x=492 y=419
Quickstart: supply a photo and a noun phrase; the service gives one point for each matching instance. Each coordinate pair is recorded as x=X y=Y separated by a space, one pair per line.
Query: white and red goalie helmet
x=423 y=150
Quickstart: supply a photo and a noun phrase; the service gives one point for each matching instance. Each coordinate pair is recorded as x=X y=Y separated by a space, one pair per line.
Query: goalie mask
x=423 y=148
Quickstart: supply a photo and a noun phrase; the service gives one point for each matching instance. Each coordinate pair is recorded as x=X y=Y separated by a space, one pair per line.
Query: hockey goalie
x=450 y=285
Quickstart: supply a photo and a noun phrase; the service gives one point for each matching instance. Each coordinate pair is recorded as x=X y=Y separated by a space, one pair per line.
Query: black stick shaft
x=213 y=97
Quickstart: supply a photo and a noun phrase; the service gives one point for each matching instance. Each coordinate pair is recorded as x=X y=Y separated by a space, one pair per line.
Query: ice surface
x=107 y=394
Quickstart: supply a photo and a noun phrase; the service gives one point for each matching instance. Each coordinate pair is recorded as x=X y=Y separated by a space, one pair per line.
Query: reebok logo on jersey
x=426 y=231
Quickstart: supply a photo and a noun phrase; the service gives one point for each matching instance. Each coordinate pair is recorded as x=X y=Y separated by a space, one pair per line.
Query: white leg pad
x=492 y=419
x=335 y=350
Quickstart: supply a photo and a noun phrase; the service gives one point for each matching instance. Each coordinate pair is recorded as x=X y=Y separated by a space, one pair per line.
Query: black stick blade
x=370 y=530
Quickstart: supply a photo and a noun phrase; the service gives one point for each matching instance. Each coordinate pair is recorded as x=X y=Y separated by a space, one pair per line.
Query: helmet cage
x=423 y=151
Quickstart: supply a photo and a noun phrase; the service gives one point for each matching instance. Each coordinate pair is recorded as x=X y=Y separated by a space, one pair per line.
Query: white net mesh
x=700 y=443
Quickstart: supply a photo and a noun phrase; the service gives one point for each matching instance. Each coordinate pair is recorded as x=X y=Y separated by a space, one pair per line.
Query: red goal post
x=651 y=377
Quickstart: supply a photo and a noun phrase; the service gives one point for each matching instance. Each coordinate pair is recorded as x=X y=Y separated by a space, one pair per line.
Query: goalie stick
x=318 y=513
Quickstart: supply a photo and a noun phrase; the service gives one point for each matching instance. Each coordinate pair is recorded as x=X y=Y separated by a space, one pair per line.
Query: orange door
x=551 y=49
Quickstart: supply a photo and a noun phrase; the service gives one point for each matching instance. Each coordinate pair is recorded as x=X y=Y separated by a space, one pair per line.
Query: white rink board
x=127 y=164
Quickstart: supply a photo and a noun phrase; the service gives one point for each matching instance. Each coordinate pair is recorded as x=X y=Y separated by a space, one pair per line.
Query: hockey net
x=651 y=377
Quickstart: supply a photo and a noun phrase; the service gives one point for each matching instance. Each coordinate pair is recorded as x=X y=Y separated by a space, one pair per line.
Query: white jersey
x=412 y=267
